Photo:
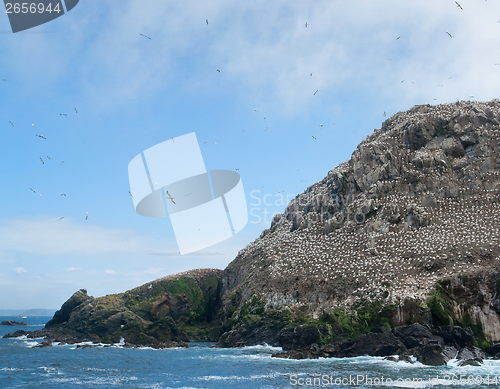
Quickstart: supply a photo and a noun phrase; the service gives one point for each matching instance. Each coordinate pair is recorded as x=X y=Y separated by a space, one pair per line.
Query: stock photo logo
x=26 y=15
x=205 y=208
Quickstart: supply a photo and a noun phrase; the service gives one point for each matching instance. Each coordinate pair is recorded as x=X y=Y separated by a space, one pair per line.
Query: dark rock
x=461 y=337
x=293 y=338
x=469 y=362
x=415 y=335
x=493 y=351
x=430 y=354
x=82 y=346
x=63 y=314
x=16 y=334
x=12 y=323
x=378 y=345
x=46 y=343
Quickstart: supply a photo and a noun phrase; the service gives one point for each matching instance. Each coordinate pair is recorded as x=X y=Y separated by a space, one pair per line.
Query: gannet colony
x=418 y=202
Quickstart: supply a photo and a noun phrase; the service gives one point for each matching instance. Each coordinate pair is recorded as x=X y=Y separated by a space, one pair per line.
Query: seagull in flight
x=316 y=92
x=32 y=190
x=451 y=36
x=76 y=110
x=42 y=161
x=63 y=194
x=130 y=194
x=63 y=114
x=145 y=36
x=86 y=216
x=11 y=123
x=41 y=136
x=32 y=124
x=384 y=113
x=218 y=70
x=314 y=137
x=459 y=6
x=49 y=157
x=306 y=24
x=170 y=197
x=398 y=37
x=206 y=20
x=62 y=217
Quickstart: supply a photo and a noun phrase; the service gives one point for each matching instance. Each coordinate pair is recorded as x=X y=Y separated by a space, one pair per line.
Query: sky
x=283 y=91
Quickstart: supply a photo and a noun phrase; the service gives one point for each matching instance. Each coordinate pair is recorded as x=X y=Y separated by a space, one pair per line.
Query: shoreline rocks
x=433 y=346
x=13 y=323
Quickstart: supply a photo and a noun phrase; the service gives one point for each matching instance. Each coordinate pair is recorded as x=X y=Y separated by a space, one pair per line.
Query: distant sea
x=22 y=366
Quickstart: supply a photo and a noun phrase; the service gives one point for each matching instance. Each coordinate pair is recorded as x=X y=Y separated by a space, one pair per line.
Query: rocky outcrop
x=12 y=323
x=409 y=222
x=158 y=314
x=430 y=346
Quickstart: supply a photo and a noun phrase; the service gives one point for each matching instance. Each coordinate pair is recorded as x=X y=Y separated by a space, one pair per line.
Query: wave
x=263 y=347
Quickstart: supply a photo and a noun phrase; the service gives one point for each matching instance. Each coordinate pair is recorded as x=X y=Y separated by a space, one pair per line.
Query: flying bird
x=459 y=6
x=130 y=194
x=63 y=194
x=63 y=161
x=206 y=20
x=62 y=217
x=170 y=197
x=76 y=110
x=237 y=169
x=451 y=36
x=42 y=161
x=218 y=70
x=145 y=36
x=49 y=157
x=11 y=123
x=63 y=114
x=398 y=37
x=306 y=24
x=310 y=75
x=86 y=216
x=173 y=141
x=33 y=124
x=384 y=113
x=32 y=190
x=316 y=92
x=41 y=136
x=314 y=137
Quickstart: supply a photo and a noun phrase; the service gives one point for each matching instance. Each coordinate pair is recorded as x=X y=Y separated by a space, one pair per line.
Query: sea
x=201 y=366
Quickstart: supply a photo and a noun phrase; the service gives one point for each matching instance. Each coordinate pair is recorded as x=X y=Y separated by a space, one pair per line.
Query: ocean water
x=22 y=366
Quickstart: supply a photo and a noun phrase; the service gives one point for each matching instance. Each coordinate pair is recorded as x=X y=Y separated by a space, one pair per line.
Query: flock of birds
x=354 y=263
x=42 y=161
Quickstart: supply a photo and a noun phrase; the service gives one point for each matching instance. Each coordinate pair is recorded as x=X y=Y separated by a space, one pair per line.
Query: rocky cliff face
x=162 y=313
x=408 y=228
x=406 y=232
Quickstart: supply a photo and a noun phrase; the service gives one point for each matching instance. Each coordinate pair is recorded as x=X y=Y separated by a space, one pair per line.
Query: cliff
x=403 y=234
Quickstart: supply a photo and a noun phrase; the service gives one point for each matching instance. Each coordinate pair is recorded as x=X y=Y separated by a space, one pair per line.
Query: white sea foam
x=263 y=347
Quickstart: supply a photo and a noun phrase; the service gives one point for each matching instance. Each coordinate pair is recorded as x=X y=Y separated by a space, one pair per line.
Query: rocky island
x=394 y=253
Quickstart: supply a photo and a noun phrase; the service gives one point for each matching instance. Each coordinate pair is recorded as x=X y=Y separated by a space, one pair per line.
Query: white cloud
x=20 y=270
x=73 y=269
x=266 y=52
x=50 y=236
x=107 y=271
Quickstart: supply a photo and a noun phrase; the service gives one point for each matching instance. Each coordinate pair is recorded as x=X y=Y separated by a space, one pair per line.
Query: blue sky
x=258 y=114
